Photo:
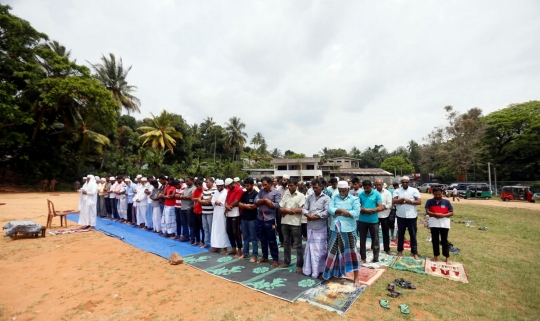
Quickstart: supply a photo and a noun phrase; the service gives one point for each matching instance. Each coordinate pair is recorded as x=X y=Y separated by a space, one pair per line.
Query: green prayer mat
x=408 y=263
x=282 y=283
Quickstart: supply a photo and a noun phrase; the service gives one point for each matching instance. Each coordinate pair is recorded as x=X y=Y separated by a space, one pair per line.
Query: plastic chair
x=53 y=213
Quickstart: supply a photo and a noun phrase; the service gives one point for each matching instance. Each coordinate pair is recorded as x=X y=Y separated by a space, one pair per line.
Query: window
x=282 y=167
x=310 y=167
x=339 y=161
x=293 y=167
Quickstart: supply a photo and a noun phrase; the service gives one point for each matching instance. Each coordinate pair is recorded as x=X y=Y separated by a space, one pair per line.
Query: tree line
x=62 y=119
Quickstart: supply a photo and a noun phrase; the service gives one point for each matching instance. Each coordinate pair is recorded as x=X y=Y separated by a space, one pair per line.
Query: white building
x=300 y=168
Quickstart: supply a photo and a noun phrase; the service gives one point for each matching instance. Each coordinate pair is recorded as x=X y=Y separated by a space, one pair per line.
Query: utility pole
x=489 y=178
x=495 y=174
x=215 y=137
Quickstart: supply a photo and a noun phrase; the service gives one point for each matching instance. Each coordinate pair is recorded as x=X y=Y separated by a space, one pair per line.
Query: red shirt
x=235 y=194
x=197 y=207
x=170 y=190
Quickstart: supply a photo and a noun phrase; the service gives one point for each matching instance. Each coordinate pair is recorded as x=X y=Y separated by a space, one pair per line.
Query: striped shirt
x=207 y=196
x=179 y=191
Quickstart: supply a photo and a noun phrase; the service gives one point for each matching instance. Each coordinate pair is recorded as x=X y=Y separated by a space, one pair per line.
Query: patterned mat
x=283 y=283
x=336 y=295
x=455 y=271
x=408 y=263
x=367 y=276
x=69 y=231
x=384 y=259
x=406 y=244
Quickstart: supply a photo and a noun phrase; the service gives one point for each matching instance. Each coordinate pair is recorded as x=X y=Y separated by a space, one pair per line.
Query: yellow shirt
x=296 y=200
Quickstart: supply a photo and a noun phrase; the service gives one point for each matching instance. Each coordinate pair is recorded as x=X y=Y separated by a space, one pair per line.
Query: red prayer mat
x=406 y=244
x=367 y=276
x=455 y=271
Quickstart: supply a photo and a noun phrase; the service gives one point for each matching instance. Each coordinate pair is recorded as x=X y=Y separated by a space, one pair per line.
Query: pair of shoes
x=404 y=284
x=392 y=294
x=402 y=307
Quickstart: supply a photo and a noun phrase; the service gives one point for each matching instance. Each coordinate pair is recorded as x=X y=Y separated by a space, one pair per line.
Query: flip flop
x=394 y=294
x=485 y=228
x=390 y=287
x=384 y=303
x=404 y=308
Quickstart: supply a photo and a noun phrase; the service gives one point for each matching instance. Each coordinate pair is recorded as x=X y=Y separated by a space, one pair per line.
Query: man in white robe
x=88 y=214
x=220 y=239
x=141 y=203
x=81 y=198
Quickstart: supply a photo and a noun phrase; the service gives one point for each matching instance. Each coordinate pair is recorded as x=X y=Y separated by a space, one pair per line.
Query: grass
x=502 y=265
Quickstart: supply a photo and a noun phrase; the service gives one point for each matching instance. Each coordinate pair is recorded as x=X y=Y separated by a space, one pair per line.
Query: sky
x=309 y=74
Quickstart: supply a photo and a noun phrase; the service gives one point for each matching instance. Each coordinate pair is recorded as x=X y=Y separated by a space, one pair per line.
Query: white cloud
x=310 y=74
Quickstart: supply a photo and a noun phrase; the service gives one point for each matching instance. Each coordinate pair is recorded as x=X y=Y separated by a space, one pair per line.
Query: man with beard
x=406 y=199
x=219 y=239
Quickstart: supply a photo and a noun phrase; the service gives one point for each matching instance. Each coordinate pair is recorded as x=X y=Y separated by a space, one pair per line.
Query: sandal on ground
x=404 y=308
x=394 y=294
x=404 y=284
x=485 y=228
x=390 y=287
x=384 y=303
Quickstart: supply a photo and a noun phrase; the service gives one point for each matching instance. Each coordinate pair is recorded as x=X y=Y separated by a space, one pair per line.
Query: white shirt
x=150 y=188
x=406 y=210
x=386 y=202
x=111 y=190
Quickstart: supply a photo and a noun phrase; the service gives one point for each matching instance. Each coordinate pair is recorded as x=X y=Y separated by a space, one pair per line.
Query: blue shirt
x=349 y=203
x=368 y=202
x=267 y=213
x=130 y=192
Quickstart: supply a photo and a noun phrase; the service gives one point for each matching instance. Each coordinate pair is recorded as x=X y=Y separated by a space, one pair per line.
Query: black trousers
x=278 y=225
x=385 y=227
x=304 y=230
x=108 y=205
x=373 y=229
x=407 y=224
x=195 y=227
x=291 y=232
x=233 y=232
x=130 y=212
x=443 y=232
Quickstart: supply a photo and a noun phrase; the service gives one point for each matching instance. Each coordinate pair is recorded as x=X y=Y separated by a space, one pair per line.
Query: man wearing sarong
x=316 y=211
x=219 y=240
x=168 y=218
x=268 y=202
x=141 y=203
x=343 y=257
x=290 y=208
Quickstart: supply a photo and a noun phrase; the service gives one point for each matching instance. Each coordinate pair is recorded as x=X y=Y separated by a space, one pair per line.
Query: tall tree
x=257 y=140
x=236 y=137
x=112 y=74
x=160 y=132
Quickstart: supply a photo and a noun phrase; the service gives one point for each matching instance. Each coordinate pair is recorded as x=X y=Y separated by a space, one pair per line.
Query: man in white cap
x=343 y=257
x=141 y=203
x=130 y=194
x=112 y=198
x=234 y=194
x=87 y=217
x=406 y=199
x=219 y=239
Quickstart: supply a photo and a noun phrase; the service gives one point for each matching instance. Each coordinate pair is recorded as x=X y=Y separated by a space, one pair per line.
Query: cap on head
x=219 y=182
x=405 y=178
x=112 y=178
x=228 y=182
x=286 y=176
x=236 y=179
x=343 y=184
x=144 y=179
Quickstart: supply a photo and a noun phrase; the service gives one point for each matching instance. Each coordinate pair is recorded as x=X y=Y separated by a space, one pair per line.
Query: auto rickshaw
x=478 y=191
x=517 y=192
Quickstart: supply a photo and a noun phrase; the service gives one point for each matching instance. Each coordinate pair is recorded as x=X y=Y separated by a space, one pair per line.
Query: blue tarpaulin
x=142 y=239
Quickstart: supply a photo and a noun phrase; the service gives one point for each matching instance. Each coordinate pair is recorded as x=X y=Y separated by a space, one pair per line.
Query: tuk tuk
x=510 y=193
x=478 y=191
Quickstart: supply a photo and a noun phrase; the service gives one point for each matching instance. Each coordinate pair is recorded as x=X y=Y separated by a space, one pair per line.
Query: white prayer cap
x=84 y=177
x=286 y=176
x=97 y=178
x=219 y=182
x=405 y=178
x=89 y=175
x=342 y=184
x=127 y=180
x=112 y=178
x=139 y=176
x=236 y=179
x=103 y=179
x=144 y=179
x=228 y=182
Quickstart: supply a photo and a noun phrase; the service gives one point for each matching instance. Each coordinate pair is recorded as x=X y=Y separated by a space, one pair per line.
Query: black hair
x=367 y=182
x=292 y=181
x=175 y=182
x=355 y=180
x=171 y=179
x=162 y=177
x=154 y=183
x=199 y=182
x=333 y=180
x=248 y=180
x=190 y=178
x=395 y=184
x=302 y=188
x=210 y=179
x=436 y=189
x=316 y=182
x=267 y=179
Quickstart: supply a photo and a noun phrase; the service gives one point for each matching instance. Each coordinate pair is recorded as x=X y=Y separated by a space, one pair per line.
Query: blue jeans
x=207 y=227
x=410 y=224
x=266 y=231
x=182 y=222
x=249 y=231
x=114 y=202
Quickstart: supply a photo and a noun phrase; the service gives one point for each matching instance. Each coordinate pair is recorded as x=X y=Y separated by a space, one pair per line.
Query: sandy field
x=90 y=276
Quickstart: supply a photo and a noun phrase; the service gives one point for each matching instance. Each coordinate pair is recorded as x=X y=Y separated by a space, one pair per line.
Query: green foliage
x=292 y=155
x=160 y=132
x=398 y=164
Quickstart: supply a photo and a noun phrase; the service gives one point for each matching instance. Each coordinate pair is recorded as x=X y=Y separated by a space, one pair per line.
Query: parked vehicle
x=424 y=188
x=516 y=192
x=478 y=191
x=461 y=188
x=536 y=196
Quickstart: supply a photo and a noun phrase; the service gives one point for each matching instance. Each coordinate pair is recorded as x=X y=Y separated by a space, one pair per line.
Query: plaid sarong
x=342 y=254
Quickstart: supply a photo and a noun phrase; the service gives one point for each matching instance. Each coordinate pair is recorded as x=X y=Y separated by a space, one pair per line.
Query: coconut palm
x=160 y=133
x=236 y=138
x=57 y=48
x=257 y=140
x=112 y=74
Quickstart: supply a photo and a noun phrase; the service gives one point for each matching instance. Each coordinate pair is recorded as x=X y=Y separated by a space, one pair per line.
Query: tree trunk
x=38 y=124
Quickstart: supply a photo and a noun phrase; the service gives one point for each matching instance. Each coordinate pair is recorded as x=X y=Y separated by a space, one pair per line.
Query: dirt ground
x=90 y=276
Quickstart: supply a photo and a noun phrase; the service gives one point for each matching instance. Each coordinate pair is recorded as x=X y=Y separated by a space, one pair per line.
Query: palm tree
x=257 y=140
x=276 y=153
x=57 y=48
x=236 y=137
x=112 y=75
x=161 y=132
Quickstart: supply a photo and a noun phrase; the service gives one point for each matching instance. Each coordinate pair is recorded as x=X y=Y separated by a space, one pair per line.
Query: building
x=349 y=167
x=259 y=172
x=301 y=168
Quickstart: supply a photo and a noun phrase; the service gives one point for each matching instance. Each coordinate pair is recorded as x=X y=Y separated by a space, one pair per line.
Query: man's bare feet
x=232 y=252
x=223 y=252
x=283 y=265
x=388 y=252
x=241 y=256
x=399 y=254
x=202 y=246
x=213 y=249
x=416 y=257
x=362 y=262
x=253 y=259
x=435 y=259
x=448 y=261
x=356 y=283
x=262 y=260
x=299 y=270
x=275 y=264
